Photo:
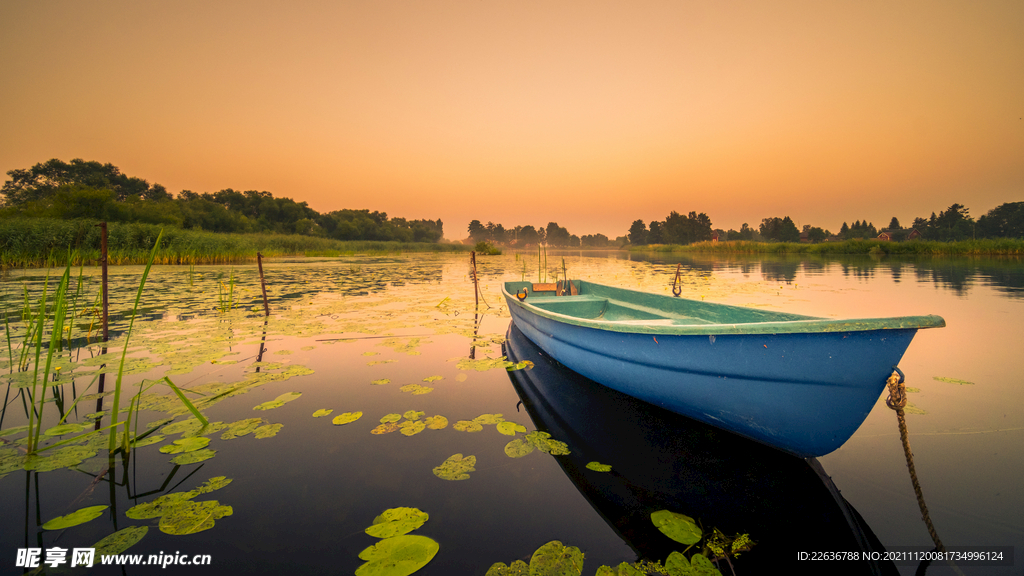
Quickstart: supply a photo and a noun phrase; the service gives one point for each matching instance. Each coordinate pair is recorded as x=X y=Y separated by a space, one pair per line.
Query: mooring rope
x=897 y=400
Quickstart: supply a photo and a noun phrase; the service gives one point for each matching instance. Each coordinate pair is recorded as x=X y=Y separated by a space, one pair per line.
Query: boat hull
x=804 y=393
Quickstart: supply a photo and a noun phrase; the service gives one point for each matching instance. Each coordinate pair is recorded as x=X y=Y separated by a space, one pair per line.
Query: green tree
x=1003 y=221
x=637 y=233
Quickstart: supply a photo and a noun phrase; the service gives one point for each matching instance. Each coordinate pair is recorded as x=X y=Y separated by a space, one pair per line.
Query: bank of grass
x=986 y=247
x=28 y=242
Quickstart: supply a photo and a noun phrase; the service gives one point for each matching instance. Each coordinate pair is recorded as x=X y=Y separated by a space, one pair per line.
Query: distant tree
x=844 y=231
x=894 y=225
x=477 y=231
x=42 y=181
x=1003 y=221
x=528 y=235
x=655 y=234
x=637 y=233
x=779 y=229
x=555 y=235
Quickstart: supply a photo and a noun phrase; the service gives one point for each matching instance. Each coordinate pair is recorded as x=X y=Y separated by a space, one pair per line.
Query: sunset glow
x=590 y=114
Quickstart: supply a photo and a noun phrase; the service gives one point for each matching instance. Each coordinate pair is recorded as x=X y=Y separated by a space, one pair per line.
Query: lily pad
x=75 y=518
x=677 y=565
x=436 y=422
x=390 y=418
x=554 y=559
x=64 y=457
x=397 y=521
x=64 y=429
x=678 y=527
x=598 y=467
x=385 y=428
x=510 y=428
x=413 y=415
x=468 y=426
x=456 y=468
x=544 y=443
x=190 y=444
x=151 y=439
x=524 y=365
x=397 y=556
x=433 y=378
x=489 y=419
x=413 y=428
x=120 y=541
x=13 y=431
x=241 y=428
x=191 y=517
x=416 y=389
x=381 y=382
x=623 y=569
x=347 y=417
x=193 y=457
x=322 y=412
x=279 y=401
x=483 y=364
x=518 y=448
x=267 y=431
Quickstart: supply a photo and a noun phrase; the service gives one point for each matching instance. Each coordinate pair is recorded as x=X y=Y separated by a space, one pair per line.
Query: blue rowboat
x=802 y=384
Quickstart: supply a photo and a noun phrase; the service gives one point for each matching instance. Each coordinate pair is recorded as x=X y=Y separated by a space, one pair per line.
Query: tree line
x=91 y=190
x=552 y=235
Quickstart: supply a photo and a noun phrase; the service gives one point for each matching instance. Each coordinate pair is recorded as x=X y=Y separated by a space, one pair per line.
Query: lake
x=397 y=339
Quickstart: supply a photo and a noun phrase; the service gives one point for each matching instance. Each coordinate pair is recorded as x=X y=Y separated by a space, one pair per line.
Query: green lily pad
x=517 y=568
x=381 y=382
x=191 y=517
x=554 y=559
x=390 y=418
x=64 y=429
x=279 y=401
x=385 y=428
x=482 y=364
x=598 y=467
x=416 y=389
x=518 y=448
x=489 y=419
x=623 y=569
x=510 y=428
x=75 y=518
x=433 y=378
x=436 y=422
x=322 y=412
x=63 y=457
x=413 y=415
x=120 y=541
x=413 y=428
x=151 y=439
x=544 y=443
x=397 y=521
x=190 y=444
x=677 y=565
x=241 y=428
x=267 y=431
x=524 y=365
x=911 y=409
x=13 y=431
x=678 y=527
x=468 y=426
x=193 y=457
x=397 y=556
x=347 y=417
x=456 y=468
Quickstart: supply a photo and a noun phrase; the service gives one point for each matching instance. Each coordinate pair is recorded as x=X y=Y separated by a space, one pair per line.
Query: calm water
x=350 y=333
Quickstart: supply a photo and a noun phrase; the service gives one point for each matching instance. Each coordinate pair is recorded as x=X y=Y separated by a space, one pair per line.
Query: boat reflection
x=661 y=460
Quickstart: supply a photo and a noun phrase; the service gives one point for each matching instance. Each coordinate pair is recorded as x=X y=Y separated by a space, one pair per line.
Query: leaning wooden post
x=476 y=287
x=263 y=284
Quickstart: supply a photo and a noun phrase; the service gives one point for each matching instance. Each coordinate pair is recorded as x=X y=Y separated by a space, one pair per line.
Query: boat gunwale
x=810 y=325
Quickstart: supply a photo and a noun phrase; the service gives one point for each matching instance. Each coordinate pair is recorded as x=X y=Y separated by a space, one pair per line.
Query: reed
x=33 y=242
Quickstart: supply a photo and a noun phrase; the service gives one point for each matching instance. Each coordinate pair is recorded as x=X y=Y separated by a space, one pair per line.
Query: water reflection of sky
x=966 y=444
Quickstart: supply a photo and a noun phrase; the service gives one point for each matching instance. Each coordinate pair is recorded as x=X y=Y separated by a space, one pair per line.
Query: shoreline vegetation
x=40 y=242
x=983 y=247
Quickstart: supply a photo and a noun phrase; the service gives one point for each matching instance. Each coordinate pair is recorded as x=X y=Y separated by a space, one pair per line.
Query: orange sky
x=590 y=113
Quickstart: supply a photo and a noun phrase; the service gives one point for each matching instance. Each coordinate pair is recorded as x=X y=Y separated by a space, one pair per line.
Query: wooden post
x=476 y=286
x=263 y=284
x=103 y=264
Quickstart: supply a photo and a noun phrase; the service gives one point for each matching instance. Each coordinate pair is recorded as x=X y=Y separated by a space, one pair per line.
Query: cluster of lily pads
x=398 y=553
